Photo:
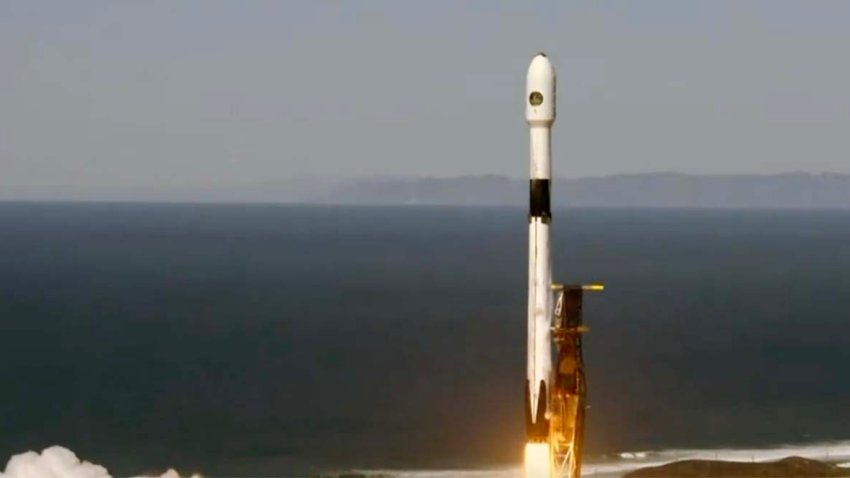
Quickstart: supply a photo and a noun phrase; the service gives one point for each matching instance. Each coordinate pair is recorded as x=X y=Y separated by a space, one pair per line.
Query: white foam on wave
x=492 y=473
x=58 y=462
x=632 y=460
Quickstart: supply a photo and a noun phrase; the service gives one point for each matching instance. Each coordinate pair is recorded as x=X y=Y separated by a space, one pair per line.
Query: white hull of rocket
x=540 y=113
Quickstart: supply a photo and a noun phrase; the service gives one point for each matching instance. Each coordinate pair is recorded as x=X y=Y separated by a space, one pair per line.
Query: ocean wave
x=632 y=460
x=492 y=473
x=59 y=462
x=837 y=452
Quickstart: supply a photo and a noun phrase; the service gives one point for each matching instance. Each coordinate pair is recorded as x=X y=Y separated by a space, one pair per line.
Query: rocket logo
x=535 y=98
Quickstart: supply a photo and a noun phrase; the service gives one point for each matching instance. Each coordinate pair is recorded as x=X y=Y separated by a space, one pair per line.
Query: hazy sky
x=170 y=93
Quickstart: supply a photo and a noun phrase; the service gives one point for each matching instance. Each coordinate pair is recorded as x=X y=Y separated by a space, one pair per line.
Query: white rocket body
x=540 y=113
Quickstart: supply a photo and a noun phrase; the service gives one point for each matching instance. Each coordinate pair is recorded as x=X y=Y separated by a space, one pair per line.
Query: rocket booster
x=540 y=114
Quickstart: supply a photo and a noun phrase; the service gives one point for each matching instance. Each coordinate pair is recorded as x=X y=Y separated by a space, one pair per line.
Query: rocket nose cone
x=541 y=67
x=540 y=91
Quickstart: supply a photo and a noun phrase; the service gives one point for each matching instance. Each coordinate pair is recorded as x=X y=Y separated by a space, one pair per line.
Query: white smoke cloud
x=58 y=462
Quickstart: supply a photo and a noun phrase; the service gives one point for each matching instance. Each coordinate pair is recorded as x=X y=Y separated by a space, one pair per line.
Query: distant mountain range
x=650 y=190
x=656 y=190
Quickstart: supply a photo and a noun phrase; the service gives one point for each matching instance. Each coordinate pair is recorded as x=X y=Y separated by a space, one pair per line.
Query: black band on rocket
x=539 y=200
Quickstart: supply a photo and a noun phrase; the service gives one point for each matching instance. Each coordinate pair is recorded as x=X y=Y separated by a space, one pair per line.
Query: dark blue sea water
x=264 y=340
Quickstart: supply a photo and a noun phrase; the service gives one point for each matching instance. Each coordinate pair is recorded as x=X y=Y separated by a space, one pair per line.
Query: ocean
x=269 y=340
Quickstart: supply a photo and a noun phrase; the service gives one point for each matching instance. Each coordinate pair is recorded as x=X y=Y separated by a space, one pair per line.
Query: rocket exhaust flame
x=536 y=462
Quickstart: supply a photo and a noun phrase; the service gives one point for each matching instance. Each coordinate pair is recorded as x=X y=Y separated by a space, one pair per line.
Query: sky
x=170 y=94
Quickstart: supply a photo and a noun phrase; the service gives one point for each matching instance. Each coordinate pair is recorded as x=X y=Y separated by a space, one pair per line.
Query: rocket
x=540 y=114
x=554 y=396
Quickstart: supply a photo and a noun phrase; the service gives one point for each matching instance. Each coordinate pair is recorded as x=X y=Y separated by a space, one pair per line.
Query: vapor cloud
x=59 y=462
